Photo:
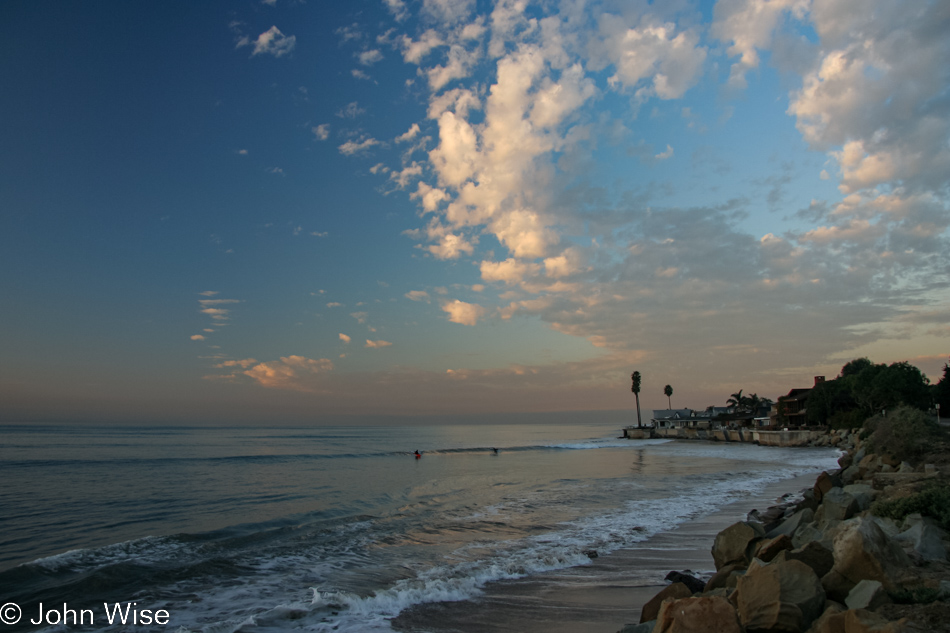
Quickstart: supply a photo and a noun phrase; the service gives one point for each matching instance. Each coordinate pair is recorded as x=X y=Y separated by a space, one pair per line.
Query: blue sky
x=290 y=211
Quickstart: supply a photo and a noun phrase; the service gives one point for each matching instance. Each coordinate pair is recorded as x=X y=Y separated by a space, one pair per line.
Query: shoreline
x=602 y=596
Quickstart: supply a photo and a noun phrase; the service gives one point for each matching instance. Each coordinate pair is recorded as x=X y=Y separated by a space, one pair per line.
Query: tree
x=635 y=388
x=941 y=392
x=668 y=391
x=735 y=400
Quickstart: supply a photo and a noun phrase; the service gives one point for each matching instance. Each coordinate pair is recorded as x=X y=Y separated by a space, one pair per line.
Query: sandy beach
x=596 y=598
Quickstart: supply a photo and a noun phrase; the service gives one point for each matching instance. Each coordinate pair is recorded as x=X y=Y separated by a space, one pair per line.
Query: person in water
x=418 y=454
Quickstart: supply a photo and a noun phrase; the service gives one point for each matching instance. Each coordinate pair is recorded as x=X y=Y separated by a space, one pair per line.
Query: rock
x=820 y=625
x=851 y=474
x=887 y=468
x=591 y=553
x=860 y=455
x=735 y=543
x=695 y=585
x=652 y=607
x=790 y=525
x=727 y=577
x=905 y=468
x=930 y=469
x=862 y=493
x=863 y=621
x=769 y=549
x=867 y=594
x=926 y=539
x=808 y=533
x=838 y=505
x=809 y=500
x=689 y=615
x=823 y=485
x=780 y=597
x=845 y=460
x=815 y=555
x=864 y=552
x=836 y=586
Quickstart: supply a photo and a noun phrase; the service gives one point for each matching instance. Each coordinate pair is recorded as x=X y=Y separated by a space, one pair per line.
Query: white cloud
x=666 y=154
x=398 y=9
x=448 y=11
x=345 y=338
x=360 y=316
x=463 y=313
x=377 y=344
x=321 y=132
x=410 y=134
x=293 y=373
x=749 y=25
x=197 y=337
x=510 y=271
x=414 y=51
x=356 y=147
x=334 y=304
x=417 y=295
x=651 y=58
x=369 y=57
x=271 y=42
x=350 y=111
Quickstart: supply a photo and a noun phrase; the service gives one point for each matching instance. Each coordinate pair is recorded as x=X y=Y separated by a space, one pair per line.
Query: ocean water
x=333 y=528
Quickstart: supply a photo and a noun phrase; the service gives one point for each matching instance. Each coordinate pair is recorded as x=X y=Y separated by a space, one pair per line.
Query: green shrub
x=904 y=433
x=847 y=419
x=920 y=595
x=933 y=501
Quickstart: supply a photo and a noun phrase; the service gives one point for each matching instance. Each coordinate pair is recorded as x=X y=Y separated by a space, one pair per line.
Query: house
x=795 y=404
x=672 y=418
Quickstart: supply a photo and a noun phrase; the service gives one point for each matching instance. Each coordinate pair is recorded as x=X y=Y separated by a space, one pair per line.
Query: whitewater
x=339 y=528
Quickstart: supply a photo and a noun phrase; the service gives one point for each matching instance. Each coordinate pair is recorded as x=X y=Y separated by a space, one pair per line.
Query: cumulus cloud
x=417 y=295
x=377 y=344
x=295 y=373
x=321 y=132
x=357 y=147
x=345 y=338
x=270 y=42
x=197 y=337
x=463 y=313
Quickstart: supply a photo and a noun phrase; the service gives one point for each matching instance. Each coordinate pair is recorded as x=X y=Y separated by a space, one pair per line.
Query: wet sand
x=596 y=598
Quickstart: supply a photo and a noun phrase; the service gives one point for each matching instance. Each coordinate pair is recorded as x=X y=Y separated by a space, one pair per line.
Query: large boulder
x=791 y=525
x=926 y=539
x=864 y=552
x=862 y=493
x=782 y=597
x=735 y=543
x=823 y=485
x=689 y=615
x=838 y=505
x=867 y=594
x=695 y=585
x=652 y=607
x=768 y=549
x=815 y=555
x=726 y=577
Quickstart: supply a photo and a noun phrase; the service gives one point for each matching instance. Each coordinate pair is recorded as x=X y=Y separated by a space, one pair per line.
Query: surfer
x=418 y=454
x=494 y=450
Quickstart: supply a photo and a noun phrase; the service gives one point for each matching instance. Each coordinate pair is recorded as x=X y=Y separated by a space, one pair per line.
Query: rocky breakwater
x=834 y=561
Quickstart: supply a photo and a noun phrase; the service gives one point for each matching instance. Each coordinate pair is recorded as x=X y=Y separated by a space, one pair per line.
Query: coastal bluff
x=837 y=560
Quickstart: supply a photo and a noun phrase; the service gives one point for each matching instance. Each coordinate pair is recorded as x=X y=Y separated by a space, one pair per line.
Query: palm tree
x=668 y=390
x=735 y=400
x=635 y=388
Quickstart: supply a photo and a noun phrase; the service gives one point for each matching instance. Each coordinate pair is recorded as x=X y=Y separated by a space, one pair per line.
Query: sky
x=289 y=211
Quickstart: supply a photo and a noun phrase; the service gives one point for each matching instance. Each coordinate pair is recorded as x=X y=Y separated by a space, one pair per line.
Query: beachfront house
x=795 y=405
x=672 y=418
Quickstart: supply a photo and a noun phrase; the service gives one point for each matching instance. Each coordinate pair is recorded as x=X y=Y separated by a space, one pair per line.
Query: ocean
x=221 y=530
